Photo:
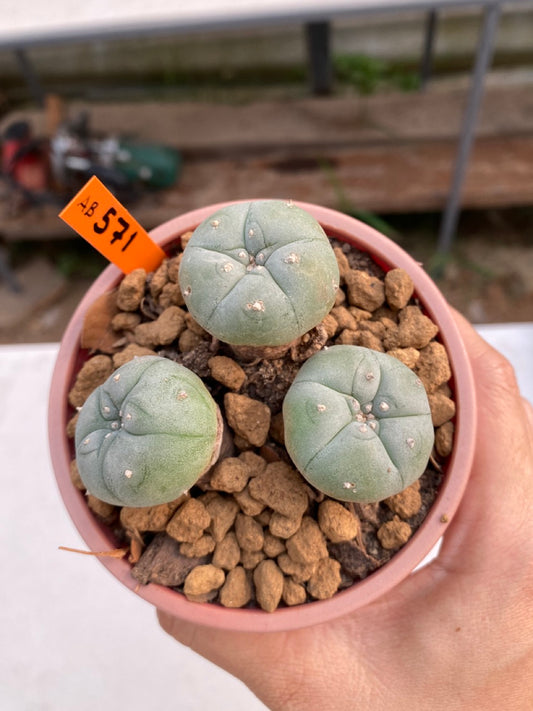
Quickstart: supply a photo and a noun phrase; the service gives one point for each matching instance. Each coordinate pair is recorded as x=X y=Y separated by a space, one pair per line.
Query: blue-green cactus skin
x=259 y=273
x=358 y=424
x=147 y=434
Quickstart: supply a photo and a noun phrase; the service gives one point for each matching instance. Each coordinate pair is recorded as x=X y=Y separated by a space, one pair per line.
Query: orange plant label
x=101 y=219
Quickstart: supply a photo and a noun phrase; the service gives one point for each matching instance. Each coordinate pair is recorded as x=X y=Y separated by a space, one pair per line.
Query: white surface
x=73 y=638
x=32 y=20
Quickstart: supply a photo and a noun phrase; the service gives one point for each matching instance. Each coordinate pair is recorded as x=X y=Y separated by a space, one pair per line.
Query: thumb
x=495 y=511
x=529 y=412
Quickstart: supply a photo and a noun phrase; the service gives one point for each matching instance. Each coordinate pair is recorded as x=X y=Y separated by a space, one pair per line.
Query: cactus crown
x=259 y=273
x=358 y=424
x=147 y=434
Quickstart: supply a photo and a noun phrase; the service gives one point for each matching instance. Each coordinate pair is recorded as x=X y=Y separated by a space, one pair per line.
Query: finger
x=182 y=632
x=276 y=664
x=529 y=412
x=210 y=643
x=502 y=428
x=494 y=510
x=245 y=655
x=228 y=649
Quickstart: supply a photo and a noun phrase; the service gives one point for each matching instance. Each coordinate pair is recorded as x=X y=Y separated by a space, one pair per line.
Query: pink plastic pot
x=99 y=538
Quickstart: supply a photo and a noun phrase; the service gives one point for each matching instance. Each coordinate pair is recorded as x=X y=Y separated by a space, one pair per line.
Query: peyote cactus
x=358 y=424
x=259 y=273
x=147 y=434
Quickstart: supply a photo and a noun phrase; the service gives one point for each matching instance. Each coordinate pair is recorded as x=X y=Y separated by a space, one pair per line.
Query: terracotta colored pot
x=388 y=255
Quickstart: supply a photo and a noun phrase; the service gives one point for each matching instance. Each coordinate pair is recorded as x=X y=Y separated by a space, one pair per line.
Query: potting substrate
x=252 y=532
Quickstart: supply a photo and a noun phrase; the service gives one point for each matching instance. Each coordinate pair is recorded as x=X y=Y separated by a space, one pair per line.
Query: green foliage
x=358 y=424
x=368 y=74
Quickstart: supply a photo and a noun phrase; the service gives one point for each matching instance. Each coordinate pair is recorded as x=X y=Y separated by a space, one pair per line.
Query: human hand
x=455 y=635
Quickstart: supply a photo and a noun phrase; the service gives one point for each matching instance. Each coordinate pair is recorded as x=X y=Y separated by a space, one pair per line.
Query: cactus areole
x=259 y=273
x=147 y=434
x=358 y=424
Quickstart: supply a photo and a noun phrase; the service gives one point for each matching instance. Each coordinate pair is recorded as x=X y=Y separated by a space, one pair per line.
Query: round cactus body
x=358 y=424
x=259 y=273
x=147 y=434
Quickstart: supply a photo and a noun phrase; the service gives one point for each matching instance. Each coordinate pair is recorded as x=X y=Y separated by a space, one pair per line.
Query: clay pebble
x=268 y=581
x=249 y=418
x=189 y=522
x=237 y=589
x=131 y=290
x=394 y=534
x=255 y=523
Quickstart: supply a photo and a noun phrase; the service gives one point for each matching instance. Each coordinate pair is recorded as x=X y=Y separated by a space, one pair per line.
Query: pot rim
x=98 y=538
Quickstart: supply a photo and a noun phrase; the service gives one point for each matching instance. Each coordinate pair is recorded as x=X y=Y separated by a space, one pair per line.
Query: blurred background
x=362 y=113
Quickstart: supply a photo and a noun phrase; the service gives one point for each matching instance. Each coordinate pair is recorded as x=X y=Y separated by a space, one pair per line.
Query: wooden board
x=385 y=153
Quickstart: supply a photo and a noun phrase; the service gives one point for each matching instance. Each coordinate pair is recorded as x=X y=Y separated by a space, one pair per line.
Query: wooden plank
x=390 y=152
x=206 y=128
x=407 y=177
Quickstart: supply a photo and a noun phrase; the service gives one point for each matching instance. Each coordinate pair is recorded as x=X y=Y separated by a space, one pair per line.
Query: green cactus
x=147 y=434
x=358 y=424
x=259 y=273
